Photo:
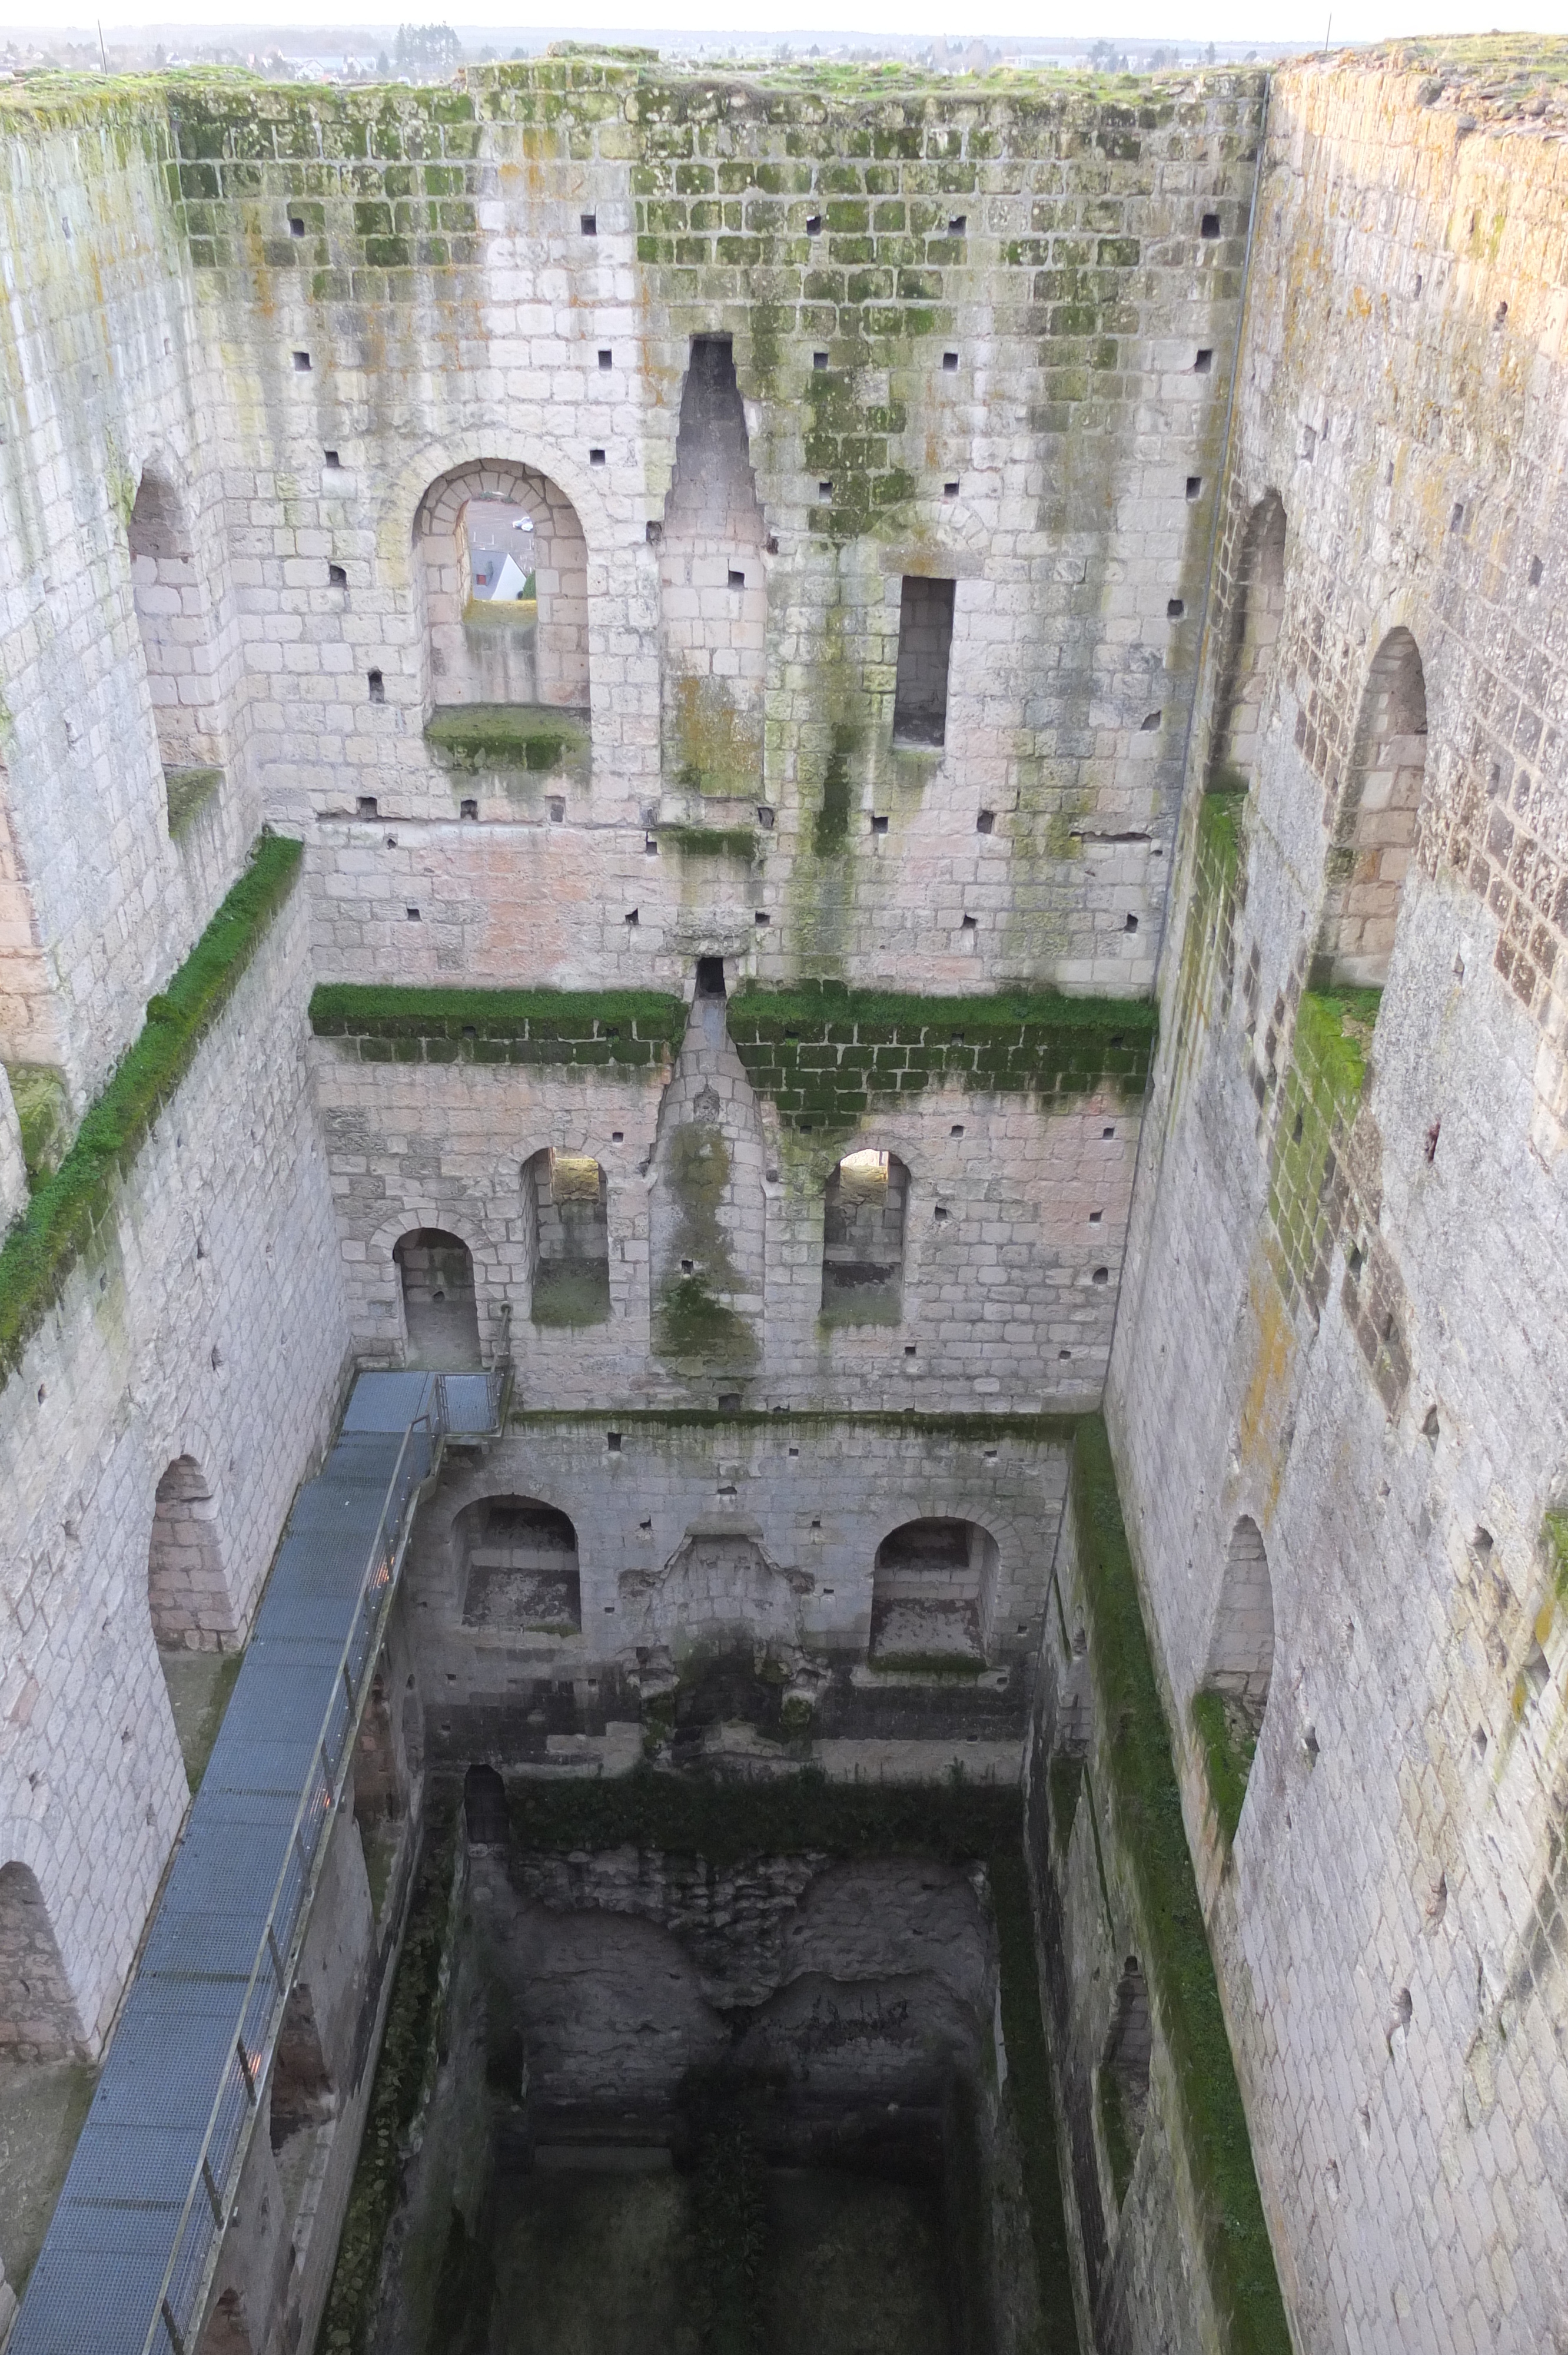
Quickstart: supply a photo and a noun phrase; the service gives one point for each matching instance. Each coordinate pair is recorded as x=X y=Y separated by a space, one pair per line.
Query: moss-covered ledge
x=1146 y=1803
x=634 y=1029
x=824 y=1052
x=538 y=736
x=67 y=1211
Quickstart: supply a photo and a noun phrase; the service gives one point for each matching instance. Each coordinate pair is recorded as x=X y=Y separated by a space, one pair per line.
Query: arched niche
x=567 y=1217
x=1257 y=618
x=1241 y=1650
x=187 y=1591
x=934 y=1593
x=39 y=2017
x=486 y=1821
x=517 y=1564
x=863 y=1207
x=440 y=1310
x=1374 y=834
x=502 y=567
x=173 y=615
x=713 y=588
x=1122 y=2085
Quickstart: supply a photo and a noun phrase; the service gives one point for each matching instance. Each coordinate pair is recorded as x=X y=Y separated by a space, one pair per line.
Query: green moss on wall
x=829 y=827
x=43 y=1114
x=468 y=736
x=403 y=2076
x=712 y=841
x=712 y=747
x=68 y=1209
x=825 y=1054
x=1320 y=1098
x=1218 y=844
x=1184 y=1994
x=1116 y=2132
x=624 y=1029
x=186 y=793
x=693 y=1327
x=1228 y=1746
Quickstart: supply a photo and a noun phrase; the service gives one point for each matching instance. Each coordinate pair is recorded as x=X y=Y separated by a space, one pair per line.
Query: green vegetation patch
x=1147 y=1803
x=690 y=1323
x=824 y=1053
x=712 y=841
x=568 y=1293
x=403 y=2075
x=1229 y=1746
x=43 y=1116
x=67 y=1211
x=1120 y=2148
x=471 y=736
x=186 y=793
x=1319 y=1102
x=626 y=1028
x=1554 y=1538
x=1211 y=910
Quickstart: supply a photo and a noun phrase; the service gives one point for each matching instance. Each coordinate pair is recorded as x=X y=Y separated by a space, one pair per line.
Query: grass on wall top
x=536 y=1026
x=1182 y=1986
x=66 y=1211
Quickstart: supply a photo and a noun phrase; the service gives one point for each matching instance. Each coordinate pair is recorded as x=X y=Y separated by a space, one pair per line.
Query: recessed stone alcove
x=677 y=2100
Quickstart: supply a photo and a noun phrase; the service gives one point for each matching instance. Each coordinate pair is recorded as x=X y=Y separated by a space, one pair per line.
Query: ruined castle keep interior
x=783 y=932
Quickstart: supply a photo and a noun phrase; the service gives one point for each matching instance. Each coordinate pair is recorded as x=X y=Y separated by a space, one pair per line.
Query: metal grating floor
x=128 y=2254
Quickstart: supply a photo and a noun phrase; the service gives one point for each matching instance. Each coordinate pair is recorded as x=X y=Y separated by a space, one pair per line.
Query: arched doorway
x=440 y=1310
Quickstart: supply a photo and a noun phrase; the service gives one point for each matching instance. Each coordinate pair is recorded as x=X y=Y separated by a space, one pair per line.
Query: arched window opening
x=1072 y=1727
x=1228 y=1709
x=175 y=616
x=933 y=1594
x=39 y=2017
x=516 y=1560
x=503 y=569
x=226 y=2332
x=566 y=1197
x=440 y=1312
x=714 y=589
x=187 y=1593
x=485 y=1817
x=1375 y=834
x=302 y=2093
x=1123 y=2079
x=1257 y=616
x=863 y=1240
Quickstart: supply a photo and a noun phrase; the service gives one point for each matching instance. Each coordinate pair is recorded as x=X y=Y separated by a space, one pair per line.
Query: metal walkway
x=128 y=2260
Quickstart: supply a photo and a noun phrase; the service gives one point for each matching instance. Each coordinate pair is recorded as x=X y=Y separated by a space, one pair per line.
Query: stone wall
x=1344 y=1313
x=995 y=326
x=792 y=1509
x=112 y=390
x=1014 y=1226
x=207 y=1323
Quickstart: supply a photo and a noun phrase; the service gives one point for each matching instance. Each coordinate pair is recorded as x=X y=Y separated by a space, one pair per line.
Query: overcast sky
x=1121 y=20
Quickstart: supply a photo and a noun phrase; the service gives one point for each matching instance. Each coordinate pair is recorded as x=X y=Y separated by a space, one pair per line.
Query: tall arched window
x=504 y=567
x=187 y=1593
x=933 y=1593
x=1257 y=613
x=1374 y=835
x=174 y=612
x=440 y=1313
x=517 y=1564
x=566 y=1197
x=1123 y=2078
x=1229 y=1706
x=713 y=588
x=39 y=2017
x=863 y=1240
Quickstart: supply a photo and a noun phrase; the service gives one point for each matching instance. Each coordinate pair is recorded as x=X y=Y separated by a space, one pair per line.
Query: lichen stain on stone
x=1260 y=1431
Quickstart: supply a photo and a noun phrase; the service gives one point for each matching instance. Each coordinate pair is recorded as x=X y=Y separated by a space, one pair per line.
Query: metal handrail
x=215 y=2175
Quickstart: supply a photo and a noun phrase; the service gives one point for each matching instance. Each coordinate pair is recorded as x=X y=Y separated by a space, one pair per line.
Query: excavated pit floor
x=684 y=2107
